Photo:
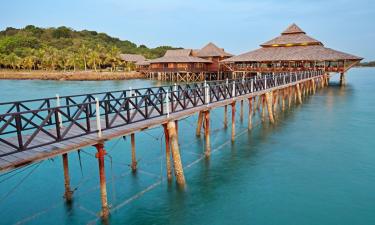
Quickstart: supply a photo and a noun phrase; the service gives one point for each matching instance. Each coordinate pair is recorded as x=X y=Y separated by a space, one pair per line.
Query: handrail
x=135 y=105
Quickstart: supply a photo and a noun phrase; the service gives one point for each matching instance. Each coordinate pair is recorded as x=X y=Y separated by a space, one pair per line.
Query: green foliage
x=63 y=48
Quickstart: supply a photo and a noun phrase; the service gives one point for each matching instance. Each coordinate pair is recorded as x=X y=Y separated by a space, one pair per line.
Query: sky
x=236 y=25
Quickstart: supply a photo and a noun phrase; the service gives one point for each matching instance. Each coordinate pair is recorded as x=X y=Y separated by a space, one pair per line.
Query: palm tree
x=13 y=60
x=83 y=53
x=29 y=62
x=72 y=60
x=113 y=57
x=94 y=59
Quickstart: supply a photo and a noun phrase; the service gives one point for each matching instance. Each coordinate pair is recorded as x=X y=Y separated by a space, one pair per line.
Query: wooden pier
x=34 y=130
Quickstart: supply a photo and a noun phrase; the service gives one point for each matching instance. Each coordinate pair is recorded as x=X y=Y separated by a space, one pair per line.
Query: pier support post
x=241 y=112
x=283 y=100
x=134 y=160
x=207 y=133
x=233 y=120
x=167 y=153
x=250 y=116
x=290 y=95
x=269 y=106
x=225 y=116
x=299 y=94
x=199 y=124
x=342 y=79
x=103 y=186
x=178 y=169
x=264 y=107
x=313 y=86
x=68 y=192
x=275 y=101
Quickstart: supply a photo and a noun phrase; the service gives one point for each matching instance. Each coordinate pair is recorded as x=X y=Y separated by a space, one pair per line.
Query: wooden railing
x=23 y=122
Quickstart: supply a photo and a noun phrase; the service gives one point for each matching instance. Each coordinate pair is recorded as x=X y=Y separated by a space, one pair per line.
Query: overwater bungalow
x=188 y=65
x=292 y=51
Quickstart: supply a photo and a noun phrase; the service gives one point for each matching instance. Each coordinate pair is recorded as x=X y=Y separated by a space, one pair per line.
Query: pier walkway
x=35 y=130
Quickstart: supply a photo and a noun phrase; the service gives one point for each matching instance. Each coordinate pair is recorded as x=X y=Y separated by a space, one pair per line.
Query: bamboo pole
x=68 y=192
x=207 y=133
x=103 y=186
x=178 y=169
x=167 y=153
x=233 y=104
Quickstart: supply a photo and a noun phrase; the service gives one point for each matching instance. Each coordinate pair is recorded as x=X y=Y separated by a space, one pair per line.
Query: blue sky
x=236 y=25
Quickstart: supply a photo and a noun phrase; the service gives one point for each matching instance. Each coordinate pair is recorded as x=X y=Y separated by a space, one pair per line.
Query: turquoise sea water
x=315 y=166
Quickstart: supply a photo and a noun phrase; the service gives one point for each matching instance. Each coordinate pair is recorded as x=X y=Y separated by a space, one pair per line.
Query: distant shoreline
x=68 y=75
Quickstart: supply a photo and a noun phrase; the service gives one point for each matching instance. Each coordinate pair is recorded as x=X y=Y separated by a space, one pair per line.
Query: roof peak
x=211 y=49
x=293 y=29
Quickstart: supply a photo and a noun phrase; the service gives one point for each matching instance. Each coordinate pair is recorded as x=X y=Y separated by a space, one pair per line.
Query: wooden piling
x=167 y=153
x=68 y=192
x=199 y=124
x=241 y=112
x=207 y=133
x=269 y=106
x=283 y=99
x=134 y=160
x=342 y=79
x=275 y=101
x=225 y=116
x=233 y=104
x=178 y=169
x=250 y=116
x=289 y=97
x=263 y=107
x=299 y=97
x=103 y=186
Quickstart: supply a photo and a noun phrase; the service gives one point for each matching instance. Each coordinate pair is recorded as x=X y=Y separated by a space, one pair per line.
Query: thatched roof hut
x=292 y=45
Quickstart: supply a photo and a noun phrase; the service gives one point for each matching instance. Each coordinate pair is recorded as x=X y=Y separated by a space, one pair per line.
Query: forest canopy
x=63 y=48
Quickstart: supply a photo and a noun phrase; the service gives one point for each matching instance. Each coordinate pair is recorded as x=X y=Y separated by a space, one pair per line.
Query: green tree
x=72 y=60
x=113 y=57
x=13 y=61
x=83 y=53
x=94 y=59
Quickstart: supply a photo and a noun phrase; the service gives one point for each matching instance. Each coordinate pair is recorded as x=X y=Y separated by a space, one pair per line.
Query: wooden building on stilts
x=292 y=51
x=187 y=65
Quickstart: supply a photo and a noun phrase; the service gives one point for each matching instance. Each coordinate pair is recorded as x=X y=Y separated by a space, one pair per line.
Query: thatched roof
x=293 y=44
x=179 y=56
x=178 y=52
x=132 y=57
x=295 y=53
x=293 y=35
x=211 y=50
x=143 y=63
